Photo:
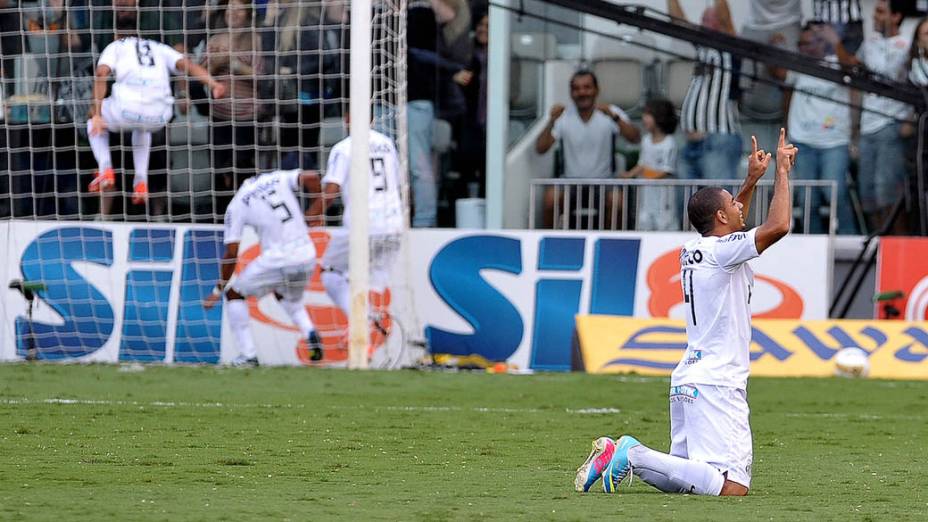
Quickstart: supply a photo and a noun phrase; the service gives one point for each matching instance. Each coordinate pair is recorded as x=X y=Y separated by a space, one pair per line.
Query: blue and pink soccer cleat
x=619 y=467
x=592 y=469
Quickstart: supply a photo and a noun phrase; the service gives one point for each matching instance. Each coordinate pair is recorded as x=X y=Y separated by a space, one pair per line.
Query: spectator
x=587 y=135
x=882 y=151
x=710 y=113
x=918 y=75
x=657 y=206
x=307 y=41
x=918 y=54
x=472 y=140
x=773 y=15
x=74 y=95
x=821 y=130
x=10 y=40
x=232 y=58
x=845 y=16
x=454 y=46
x=30 y=138
x=762 y=99
x=422 y=23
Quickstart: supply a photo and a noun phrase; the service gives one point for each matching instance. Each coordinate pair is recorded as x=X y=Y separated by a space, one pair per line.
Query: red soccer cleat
x=104 y=181
x=140 y=196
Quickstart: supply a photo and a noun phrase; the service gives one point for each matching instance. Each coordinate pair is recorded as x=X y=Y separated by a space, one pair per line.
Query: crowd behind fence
x=285 y=67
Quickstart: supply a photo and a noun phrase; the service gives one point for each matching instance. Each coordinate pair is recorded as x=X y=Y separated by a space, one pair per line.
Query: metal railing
x=615 y=204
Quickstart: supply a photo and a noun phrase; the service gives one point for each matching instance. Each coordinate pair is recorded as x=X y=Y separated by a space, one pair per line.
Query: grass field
x=95 y=443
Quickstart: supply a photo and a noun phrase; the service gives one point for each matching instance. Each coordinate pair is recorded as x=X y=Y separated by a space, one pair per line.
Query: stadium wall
x=124 y=292
x=780 y=348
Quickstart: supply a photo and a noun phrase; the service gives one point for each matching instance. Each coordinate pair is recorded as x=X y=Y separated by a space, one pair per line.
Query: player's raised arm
x=758 y=161
x=779 y=217
x=202 y=75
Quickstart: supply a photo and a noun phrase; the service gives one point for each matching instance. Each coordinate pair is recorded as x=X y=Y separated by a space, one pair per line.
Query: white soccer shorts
x=710 y=424
x=384 y=251
x=120 y=116
x=263 y=276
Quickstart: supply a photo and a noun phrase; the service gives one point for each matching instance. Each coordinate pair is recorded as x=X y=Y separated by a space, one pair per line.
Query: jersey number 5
x=276 y=204
x=143 y=53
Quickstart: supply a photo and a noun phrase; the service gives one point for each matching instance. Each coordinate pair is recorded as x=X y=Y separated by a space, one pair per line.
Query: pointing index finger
x=753 y=145
x=782 y=142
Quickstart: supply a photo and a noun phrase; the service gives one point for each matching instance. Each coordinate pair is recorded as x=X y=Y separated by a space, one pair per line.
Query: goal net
x=102 y=278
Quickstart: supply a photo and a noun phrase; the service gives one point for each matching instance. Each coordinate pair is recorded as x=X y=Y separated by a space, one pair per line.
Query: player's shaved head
x=702 y=207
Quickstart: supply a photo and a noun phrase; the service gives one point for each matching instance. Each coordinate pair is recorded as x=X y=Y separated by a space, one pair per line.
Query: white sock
x=336 y=285
x=100 y=145
x=675 y=474
x=239 y=322
x=298 y=314
x=141 y=146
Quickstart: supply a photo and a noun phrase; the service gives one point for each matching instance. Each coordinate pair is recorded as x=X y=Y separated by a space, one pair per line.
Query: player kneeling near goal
x=141 y=101
x=385 y=216
x=710 y=446
x=269 y=204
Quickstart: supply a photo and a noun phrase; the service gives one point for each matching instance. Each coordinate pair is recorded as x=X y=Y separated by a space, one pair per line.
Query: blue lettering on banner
x=638 y=341
x=615 y=271
x=842 y=340
x=767 y=346
x=557 y=302
x=145 y=314
x=921 y=338
x=87 y=315
x=455 y=276
x=198 y=329
x=498 y=327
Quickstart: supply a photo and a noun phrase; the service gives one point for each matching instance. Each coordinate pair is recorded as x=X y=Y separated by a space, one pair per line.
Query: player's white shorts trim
x=710 y=424
x=384 y=251
x=263 y=276
x=120 y=116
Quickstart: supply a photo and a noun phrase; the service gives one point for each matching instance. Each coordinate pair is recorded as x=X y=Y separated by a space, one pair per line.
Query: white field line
x=861 y=416
x=211 y=405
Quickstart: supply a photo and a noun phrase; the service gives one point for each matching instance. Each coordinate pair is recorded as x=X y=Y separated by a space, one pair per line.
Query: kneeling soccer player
x=710 y=449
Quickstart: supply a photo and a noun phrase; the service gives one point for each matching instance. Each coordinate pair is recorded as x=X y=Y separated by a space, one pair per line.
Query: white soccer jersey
x=717 y=283
x=384 y=203
x=269 y=204
x=143 y=71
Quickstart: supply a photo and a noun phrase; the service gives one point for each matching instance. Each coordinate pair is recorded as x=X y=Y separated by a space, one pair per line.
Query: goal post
x=359 y=248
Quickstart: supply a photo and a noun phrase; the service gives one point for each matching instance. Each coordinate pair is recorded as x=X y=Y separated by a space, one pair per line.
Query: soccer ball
x=852 y=362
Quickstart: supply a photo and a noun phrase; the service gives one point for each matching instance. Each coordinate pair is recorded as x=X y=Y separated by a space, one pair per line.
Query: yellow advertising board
x=780 y=347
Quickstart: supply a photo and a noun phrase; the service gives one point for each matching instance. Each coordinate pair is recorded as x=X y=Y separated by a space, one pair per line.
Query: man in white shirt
x=710 y=452
x=270 y=205
x=140 y=102
x=385 y=215
x=821 y=129
x=882 y=174
x=587 y=134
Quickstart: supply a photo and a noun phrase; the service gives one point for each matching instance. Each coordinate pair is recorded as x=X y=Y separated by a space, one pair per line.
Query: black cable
x=769 y=81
